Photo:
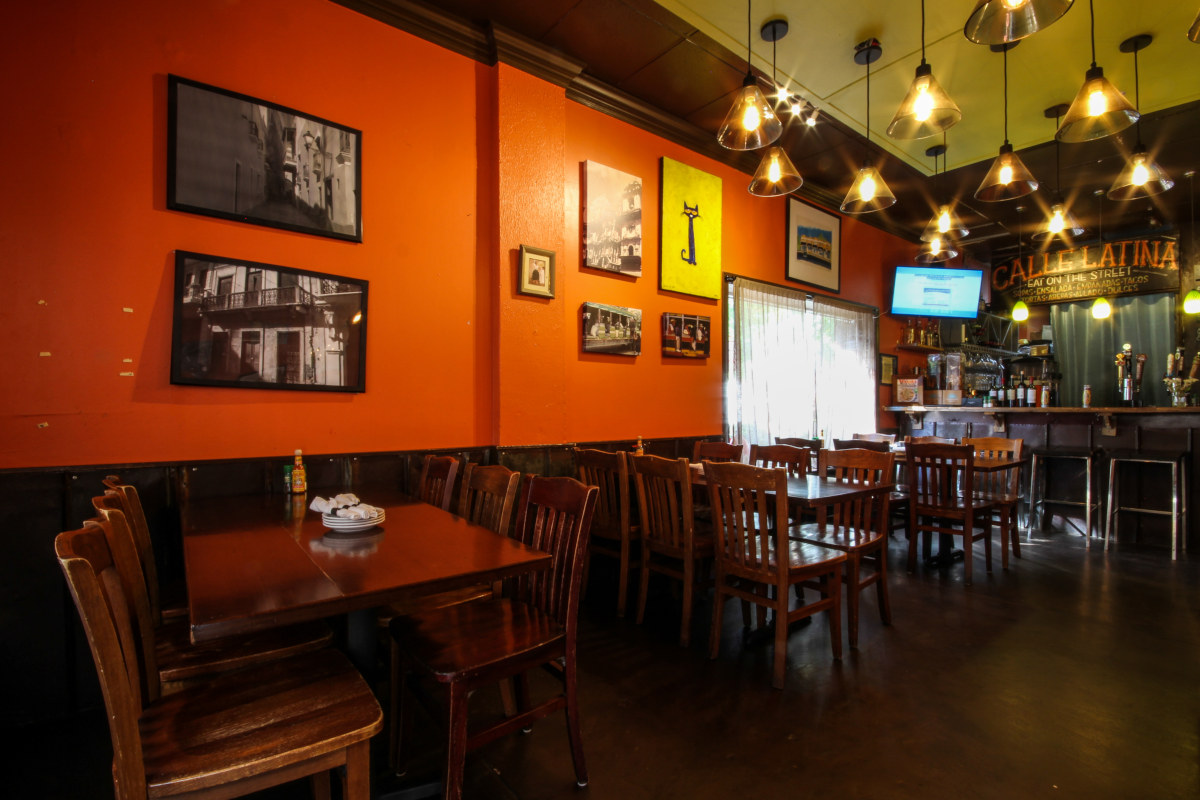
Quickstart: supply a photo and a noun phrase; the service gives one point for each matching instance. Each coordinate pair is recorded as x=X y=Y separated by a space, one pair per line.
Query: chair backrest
x=436 y=483
x=860 y=465
x=746 y=503
x=1005 y=481
x=110 y=626
x=488 y=495
x=609 y=473
x=664 y=493
x=875 y=437
x=796 y=460
x=111 y=521
x=720 y=451
x=135 y=516
x=862 y=444
x=928 y=440
x=813 y=444
x=554 y=515
x=940 y=474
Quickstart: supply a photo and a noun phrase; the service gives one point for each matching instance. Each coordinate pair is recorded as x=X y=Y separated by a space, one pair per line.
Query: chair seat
x=180 y=660
x=953 y=506
x=845 y=540
x=233 y=726
x=471 y=637
x=702 y=547
x=431 y=602
x=801 y=556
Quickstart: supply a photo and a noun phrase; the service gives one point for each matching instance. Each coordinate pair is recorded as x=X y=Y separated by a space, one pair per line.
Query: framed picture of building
x=690 y=261
x=685 y=335
x=249 y=325
x=612 y=220
x=611 y=329
x=536 y=272
x=814 y=246
x=239 y=158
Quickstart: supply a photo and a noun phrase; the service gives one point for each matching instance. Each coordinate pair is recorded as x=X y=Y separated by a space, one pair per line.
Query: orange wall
x=455 y=356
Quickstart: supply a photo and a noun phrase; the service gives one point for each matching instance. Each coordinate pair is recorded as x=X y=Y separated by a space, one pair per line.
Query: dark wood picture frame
x=251 y=325
x=240 y=158
x=814 y=246
x=536 y=272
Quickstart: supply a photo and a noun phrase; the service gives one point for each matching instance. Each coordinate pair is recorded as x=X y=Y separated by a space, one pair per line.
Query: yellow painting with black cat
x=690 y=258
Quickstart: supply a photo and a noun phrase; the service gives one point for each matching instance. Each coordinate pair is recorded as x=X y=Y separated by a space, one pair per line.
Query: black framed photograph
x=244 y=159
x=685 y=335
x=261 y=326
x=887 y=369
x=536 y=272
x=814 y=246
x=615 y=330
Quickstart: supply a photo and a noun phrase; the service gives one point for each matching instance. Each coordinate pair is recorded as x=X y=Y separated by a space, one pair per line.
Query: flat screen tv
x=936 y=292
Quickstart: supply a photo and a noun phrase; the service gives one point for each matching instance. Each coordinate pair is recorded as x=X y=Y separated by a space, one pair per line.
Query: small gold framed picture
x=536 y=272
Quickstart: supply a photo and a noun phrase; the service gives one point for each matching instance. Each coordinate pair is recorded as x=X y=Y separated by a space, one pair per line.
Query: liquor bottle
x=1011 y=396
x=1031 y=398
x=1019 y=398
x=638 y=450
x=299 y=479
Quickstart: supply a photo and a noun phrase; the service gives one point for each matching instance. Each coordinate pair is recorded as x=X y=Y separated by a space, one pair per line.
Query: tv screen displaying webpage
x=936 y=292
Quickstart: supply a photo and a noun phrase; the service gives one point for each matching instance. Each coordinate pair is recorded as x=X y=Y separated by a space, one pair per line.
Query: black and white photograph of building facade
x=612 y=329
x=612 y=220
x=248 y=324
x=256 y=162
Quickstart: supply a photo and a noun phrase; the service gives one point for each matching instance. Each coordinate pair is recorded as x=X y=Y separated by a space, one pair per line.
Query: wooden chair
x=858 y=529
x=167 y=647
x=436 y=482
x=898 y=500
x=164 y=603
x=470 y=645
x=757 y=562
x=942 y=497
x=720 y=451
x=813 y=444
x=230 y=736
x=1001 y=487
x=796 y=460
x=874 y=445
x=488 y=496
x=671 y=544
x=890 y=438
x=928 y=440
x=613 y=534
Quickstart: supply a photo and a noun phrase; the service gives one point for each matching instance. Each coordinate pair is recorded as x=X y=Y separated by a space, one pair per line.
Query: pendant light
x=926 y=109
x=1008 y=178
x=1020 y=311
x=776 y=175
x=944 y=222
x=1061 y=222
x=1101 y=308
x=1191 y=303
x=868 y=192
x=1194 y=31
x=1098 y=110
x=1003 y=21
x=1141 y=177
x=751 y=122
x=939 y=235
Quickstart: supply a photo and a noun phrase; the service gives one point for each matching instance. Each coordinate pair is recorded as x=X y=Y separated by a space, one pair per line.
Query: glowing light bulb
x=811 y=121
x=1101 y=309
x=935 y=246
x=1020 y=311
x=1057 y=223
x=774 y=172
x=1191 y=303
x=751 y=118
x=1014 y=4
x=923 y=104
x=1097 y=103
x=944 y=220
x=1006 y=174
x=797 y=108
x=1140 y=173
x=866 y=189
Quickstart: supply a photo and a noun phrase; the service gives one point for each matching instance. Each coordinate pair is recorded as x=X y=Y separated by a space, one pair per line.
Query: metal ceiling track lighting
x=776 y=175
x=868 y=192
x=1098 y=110
x=926 y=109
x=751 y=122
x=1141 y=177
x=1008 y=177
x=1004 y=21
x=1061 y=222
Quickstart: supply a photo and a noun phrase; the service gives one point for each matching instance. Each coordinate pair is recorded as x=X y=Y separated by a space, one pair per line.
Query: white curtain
x=799 y=365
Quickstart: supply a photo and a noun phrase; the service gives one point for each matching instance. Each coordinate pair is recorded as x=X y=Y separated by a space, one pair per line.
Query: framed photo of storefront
x=250 y=325
x=814 y=246
x=240 y=158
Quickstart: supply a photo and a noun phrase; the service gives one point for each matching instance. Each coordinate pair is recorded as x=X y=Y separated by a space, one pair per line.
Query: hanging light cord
x=922 y=32
x=1057 y=165
x=1137 y=98
x=749 y=68
x=1005 y=94
x=1092 y=13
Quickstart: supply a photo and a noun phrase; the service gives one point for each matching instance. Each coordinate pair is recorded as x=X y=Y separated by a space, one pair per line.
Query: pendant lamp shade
x=1101 y=308
x=1061 y=222
x=1020 y=311
x=937 y=250
x=1003 y=21
x=1141 y=177
x=1098 y=110
x=751 y=122
x=776 y=174
x=1191 y=303
x=1194 y=31
x=926 y=109
x=867 y=193
x=1008 y=178
x=944 y=223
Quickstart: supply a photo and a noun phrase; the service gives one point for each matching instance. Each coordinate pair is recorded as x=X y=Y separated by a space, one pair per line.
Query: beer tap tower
x=1130 y=369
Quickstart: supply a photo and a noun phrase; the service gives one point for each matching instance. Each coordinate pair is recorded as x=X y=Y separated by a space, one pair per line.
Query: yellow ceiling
x=815 y=59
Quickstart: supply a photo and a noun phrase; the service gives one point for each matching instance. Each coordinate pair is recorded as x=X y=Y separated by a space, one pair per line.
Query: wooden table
x=816 y=493
x=260 y=562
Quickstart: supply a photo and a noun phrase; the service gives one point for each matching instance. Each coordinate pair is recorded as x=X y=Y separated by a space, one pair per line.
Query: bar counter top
x=1106 y=410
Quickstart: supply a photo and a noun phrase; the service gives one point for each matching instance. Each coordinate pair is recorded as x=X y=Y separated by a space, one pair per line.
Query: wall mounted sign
x=612 y=220
x=1130 y=266
x=690 y=261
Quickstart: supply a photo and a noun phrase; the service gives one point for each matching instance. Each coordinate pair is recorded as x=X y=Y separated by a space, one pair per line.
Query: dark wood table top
x=814 y=491
x=259 y=562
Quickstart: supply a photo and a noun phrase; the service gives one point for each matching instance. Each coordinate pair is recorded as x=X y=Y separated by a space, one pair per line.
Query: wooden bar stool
x=1177 y=461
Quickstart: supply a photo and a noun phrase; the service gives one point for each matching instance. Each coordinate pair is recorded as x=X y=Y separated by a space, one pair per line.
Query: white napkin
x=347 y=506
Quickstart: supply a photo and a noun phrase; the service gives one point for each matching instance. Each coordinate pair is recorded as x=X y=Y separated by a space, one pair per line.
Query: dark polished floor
x=1073 y=674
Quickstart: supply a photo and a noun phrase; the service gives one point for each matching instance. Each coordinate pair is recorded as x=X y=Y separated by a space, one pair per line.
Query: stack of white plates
x=351 y=525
